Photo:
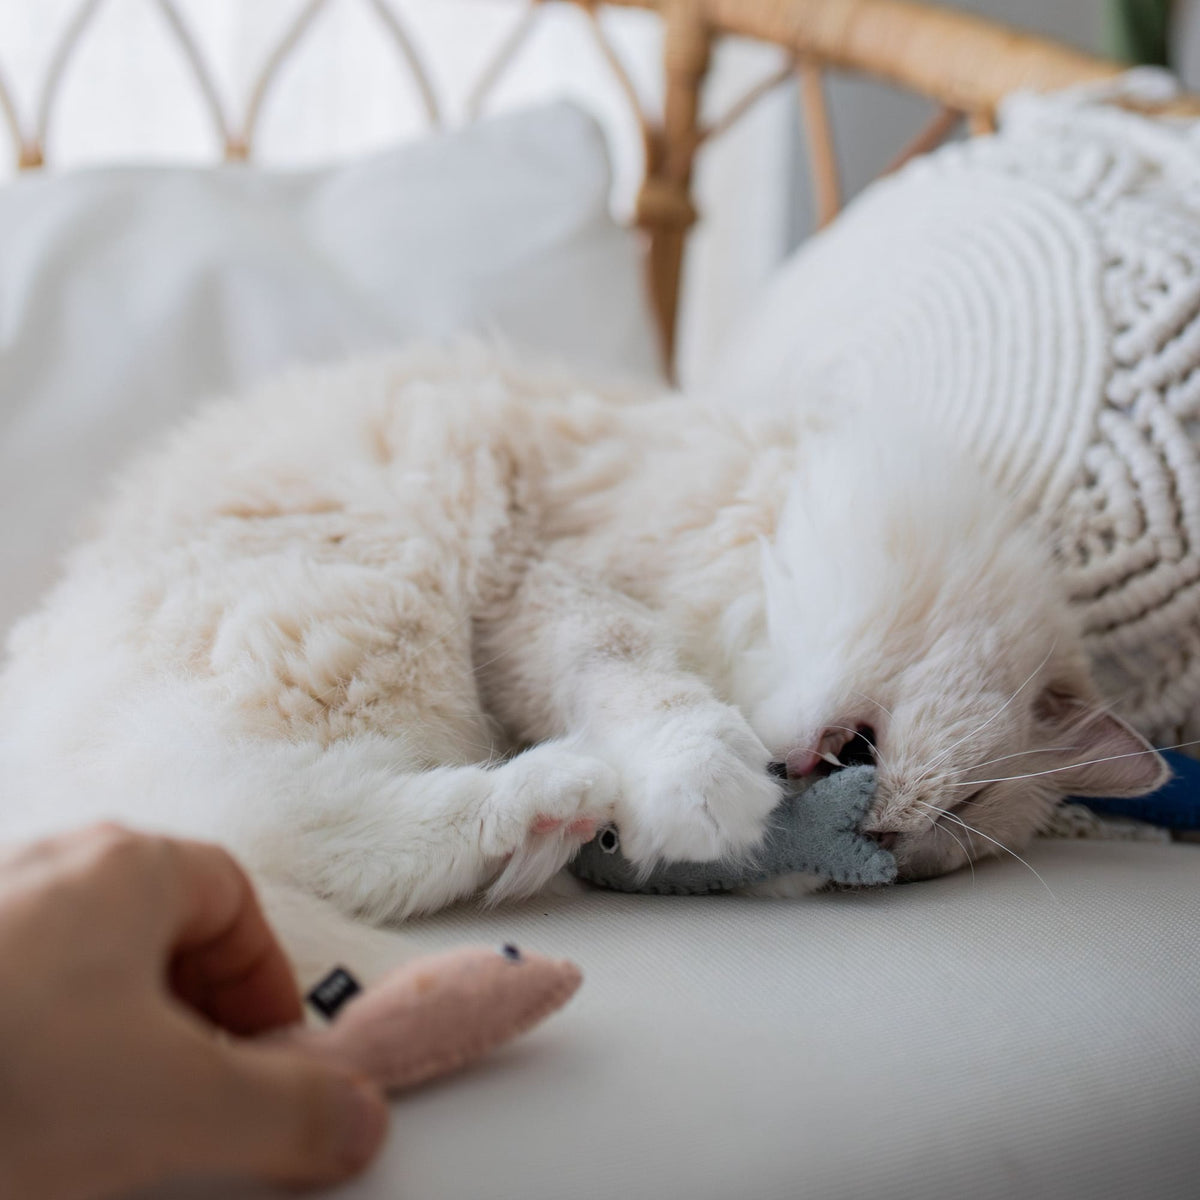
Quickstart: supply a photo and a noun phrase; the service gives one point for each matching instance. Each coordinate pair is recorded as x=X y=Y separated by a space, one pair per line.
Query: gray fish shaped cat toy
x=816 y=831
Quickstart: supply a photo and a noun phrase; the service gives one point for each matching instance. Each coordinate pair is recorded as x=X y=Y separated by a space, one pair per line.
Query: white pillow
x=128 y=294
x=1037 y=296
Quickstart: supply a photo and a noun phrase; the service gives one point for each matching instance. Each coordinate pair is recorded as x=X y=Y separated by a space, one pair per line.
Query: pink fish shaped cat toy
x=435 y=1014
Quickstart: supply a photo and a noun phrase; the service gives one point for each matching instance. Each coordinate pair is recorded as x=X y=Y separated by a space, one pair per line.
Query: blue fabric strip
x=1175 y=806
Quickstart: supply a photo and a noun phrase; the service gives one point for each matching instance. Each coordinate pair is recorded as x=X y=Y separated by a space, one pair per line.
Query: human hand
x=126 y=957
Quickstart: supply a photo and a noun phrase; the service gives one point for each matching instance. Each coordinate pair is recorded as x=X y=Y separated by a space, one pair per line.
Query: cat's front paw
x=695 y=786
x=544 y=805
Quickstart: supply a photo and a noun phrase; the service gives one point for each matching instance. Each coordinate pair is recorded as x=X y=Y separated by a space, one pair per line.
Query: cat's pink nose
x=885 y=837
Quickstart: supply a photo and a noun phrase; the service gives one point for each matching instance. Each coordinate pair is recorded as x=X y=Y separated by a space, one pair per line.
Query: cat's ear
x=1106 y=756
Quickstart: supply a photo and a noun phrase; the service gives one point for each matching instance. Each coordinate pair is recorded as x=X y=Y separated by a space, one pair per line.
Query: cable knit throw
x=1037 y=293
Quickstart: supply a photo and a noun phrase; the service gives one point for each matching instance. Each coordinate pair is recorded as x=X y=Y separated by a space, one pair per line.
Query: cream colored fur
x=321 y=622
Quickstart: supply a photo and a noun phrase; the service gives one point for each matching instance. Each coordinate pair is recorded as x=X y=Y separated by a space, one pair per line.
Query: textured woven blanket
x=1037 y=294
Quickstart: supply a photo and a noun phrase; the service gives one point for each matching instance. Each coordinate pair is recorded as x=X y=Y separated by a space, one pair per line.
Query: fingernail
x=363 y=1120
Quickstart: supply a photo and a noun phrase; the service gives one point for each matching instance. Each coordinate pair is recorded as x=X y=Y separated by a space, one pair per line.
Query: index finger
x=225 y=960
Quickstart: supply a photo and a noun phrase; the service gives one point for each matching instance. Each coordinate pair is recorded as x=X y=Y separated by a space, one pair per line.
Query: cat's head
x=911 y=620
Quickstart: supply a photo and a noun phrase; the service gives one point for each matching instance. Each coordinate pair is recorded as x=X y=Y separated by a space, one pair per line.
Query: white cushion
x=1035 y=296
x=978 y=1037
x=128 y=294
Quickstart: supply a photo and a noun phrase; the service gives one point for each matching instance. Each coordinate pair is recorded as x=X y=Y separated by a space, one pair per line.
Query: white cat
x=319 y=623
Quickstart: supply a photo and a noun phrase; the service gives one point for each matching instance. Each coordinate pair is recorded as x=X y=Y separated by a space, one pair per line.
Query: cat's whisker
x=939 y=758
x=869 y=700
x=979 y=833
x=441 y=637
x=495 y=658
x=939 y=828
x=490 y=747
x=1019 y=754
x=969 y=800
x=858 y=733
x=1091 y=762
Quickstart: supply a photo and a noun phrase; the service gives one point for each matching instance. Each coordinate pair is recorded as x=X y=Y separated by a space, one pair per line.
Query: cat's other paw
x=695 y=786
x=544 y=805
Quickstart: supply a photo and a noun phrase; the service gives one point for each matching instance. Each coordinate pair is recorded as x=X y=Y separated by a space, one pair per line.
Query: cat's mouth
x=838 y=746
x=859 y=751
x=855 y=745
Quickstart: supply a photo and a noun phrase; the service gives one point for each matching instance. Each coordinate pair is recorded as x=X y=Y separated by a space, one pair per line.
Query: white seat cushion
x=963 y=1037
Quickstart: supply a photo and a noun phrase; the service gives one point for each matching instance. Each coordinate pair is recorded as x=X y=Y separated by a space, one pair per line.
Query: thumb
x=280 y=1113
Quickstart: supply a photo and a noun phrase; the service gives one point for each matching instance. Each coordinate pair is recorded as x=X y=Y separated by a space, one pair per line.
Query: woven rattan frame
x=962 y=62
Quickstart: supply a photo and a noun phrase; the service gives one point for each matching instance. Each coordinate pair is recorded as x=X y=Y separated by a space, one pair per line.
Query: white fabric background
x=127 y=97
x=128 y=295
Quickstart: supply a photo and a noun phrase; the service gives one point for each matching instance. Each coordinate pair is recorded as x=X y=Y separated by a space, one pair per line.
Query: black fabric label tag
x=328 y=996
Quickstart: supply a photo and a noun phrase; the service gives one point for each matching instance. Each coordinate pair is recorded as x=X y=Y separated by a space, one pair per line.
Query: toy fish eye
x=511 y=952
x=609 y=842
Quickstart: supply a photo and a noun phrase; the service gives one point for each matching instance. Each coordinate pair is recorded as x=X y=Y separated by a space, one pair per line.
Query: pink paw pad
x=583 y=828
